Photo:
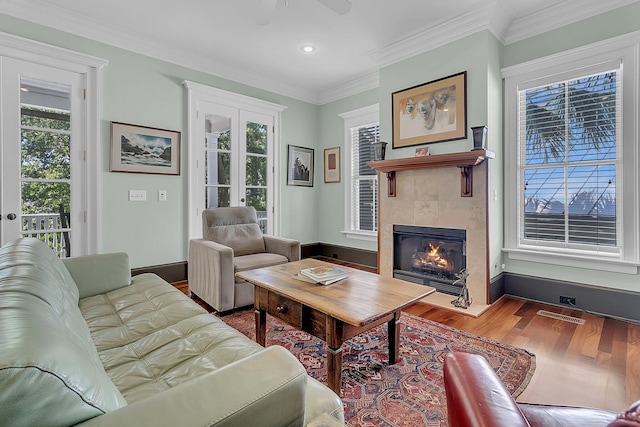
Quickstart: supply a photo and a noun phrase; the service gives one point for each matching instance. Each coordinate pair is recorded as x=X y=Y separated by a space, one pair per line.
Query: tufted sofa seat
x=83 y=343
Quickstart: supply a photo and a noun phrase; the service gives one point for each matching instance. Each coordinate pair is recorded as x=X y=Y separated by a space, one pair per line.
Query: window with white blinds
x=361 y=130
x=571 y=158
x=364 y=180
x=569 y=143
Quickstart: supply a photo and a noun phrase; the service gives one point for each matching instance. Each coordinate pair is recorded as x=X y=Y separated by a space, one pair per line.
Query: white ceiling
x=230 y=39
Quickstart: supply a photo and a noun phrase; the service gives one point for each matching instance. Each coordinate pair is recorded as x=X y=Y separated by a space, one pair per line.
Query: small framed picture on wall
x=332 y=164
x=300 y=166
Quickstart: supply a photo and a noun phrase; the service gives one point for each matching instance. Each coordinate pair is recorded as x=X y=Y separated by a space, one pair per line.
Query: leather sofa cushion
x=45 y=344
x=151 y=337
x=249 y=262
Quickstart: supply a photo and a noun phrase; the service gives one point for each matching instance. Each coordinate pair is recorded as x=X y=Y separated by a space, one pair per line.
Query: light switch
x=162 y=195
x=137 y=195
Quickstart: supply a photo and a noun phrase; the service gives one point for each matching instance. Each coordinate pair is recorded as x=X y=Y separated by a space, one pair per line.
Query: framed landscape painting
x=430 y=112
x=142 y=149
x=300 y=166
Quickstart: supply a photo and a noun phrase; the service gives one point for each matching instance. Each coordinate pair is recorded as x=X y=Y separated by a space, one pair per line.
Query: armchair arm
x=99 y=274
x=283 y=246
x=264 y=389
x=475 y=394
x=211 y=273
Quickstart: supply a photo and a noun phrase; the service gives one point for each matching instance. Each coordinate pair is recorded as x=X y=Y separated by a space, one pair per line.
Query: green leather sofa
x=84 y=343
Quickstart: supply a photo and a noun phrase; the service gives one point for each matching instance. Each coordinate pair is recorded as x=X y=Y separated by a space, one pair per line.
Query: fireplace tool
x=463 y=300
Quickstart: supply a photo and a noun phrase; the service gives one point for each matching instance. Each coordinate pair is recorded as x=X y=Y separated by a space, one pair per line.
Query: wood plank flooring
x=596 y=364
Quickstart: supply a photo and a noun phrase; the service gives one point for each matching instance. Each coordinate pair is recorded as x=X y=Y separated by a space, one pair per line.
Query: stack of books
x=324 y=275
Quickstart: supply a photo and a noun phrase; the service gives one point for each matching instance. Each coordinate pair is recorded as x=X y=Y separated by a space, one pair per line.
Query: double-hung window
x=362 y=129
x=571 y=155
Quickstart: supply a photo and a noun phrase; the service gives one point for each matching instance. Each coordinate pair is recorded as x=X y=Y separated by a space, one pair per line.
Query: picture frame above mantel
x=431 y=112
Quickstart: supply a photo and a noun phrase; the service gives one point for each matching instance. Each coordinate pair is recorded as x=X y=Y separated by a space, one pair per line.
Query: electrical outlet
x=567 y=300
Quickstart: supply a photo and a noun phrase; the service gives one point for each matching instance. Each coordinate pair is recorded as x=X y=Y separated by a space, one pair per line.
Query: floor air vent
x=561 y=317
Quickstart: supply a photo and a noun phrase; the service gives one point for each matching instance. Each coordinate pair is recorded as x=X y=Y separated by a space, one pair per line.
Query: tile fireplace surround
x=428 y=194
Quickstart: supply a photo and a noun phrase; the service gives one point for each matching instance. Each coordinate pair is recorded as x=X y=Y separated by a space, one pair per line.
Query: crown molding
x=557 y=16
x=489 y=15
x=353 y=87
x=84 y=26
x=440 y=34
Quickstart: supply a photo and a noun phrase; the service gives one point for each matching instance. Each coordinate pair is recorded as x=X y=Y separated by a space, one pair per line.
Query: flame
x=431 y=258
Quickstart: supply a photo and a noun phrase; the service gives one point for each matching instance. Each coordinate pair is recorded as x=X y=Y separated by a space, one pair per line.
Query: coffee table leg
x=261 y=327
x=334 y=369
x=394 y=338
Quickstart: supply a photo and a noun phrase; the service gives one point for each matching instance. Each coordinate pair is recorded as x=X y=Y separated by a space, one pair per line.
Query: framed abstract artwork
x=430 y=112
x=332 y=164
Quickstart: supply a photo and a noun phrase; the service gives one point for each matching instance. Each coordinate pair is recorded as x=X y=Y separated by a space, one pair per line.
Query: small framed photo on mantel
x=332 y=164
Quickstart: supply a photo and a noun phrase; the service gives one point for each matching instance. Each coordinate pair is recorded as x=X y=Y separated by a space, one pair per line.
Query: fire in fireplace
x=430 y=256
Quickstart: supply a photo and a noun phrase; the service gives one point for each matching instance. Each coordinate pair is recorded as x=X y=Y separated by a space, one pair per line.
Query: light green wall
x=141 y=90
x=331 y=196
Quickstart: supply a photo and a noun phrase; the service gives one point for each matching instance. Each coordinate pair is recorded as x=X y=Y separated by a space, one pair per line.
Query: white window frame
x=621 y=51
x=353 y=119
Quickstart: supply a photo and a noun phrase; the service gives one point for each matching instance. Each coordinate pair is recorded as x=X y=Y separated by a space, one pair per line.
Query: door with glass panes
x=238 y=168
x=43 y=116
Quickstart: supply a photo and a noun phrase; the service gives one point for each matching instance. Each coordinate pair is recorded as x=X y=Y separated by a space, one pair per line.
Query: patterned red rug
x=409 y=393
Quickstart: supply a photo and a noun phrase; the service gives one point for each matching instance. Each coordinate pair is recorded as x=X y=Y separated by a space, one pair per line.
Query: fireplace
x=430 y=256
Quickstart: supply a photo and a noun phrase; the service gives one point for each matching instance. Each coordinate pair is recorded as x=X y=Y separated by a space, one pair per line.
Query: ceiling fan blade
x=338 y=6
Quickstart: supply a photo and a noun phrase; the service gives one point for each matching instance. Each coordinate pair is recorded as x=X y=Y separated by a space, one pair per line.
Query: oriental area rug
x=409 y=393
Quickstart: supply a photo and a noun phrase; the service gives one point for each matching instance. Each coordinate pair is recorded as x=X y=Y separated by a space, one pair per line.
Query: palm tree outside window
x=569 y=161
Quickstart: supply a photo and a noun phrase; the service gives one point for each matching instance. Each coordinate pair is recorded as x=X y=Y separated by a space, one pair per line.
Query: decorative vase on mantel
x=379 y=150
x=479 y=137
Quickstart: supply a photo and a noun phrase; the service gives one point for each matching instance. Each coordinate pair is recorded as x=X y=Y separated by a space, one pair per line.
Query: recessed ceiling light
x=308 y=48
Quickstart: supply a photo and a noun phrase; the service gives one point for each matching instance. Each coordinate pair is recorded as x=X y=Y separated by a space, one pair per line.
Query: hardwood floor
x=596 y=364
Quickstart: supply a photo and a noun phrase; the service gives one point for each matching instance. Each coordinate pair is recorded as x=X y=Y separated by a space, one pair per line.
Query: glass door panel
x=218 y=161
x=256 y=172
x=45 y=162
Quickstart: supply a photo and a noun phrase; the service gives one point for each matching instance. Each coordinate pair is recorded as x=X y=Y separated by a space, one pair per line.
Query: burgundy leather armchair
x=477 y=398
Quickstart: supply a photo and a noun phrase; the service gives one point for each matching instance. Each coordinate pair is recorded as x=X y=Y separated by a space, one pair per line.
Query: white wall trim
x=65 y=59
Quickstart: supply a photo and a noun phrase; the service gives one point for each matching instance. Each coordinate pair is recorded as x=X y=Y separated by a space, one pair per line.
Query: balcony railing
x=48 y=228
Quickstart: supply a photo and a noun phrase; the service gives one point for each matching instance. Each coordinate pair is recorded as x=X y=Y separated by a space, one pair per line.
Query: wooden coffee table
x=333 y=313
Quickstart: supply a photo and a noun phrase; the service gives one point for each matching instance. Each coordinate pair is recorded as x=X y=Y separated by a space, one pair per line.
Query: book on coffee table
x=324 y=275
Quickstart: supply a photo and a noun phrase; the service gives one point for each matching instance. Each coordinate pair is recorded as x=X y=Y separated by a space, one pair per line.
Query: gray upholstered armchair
x=232 y=242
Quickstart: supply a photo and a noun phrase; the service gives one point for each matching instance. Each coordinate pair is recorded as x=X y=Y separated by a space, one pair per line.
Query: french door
x=238 y=160
x=233 y=155
x=42 y=144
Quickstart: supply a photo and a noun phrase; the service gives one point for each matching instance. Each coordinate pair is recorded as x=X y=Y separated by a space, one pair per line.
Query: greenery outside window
x=362 y=129
x=569 y=120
